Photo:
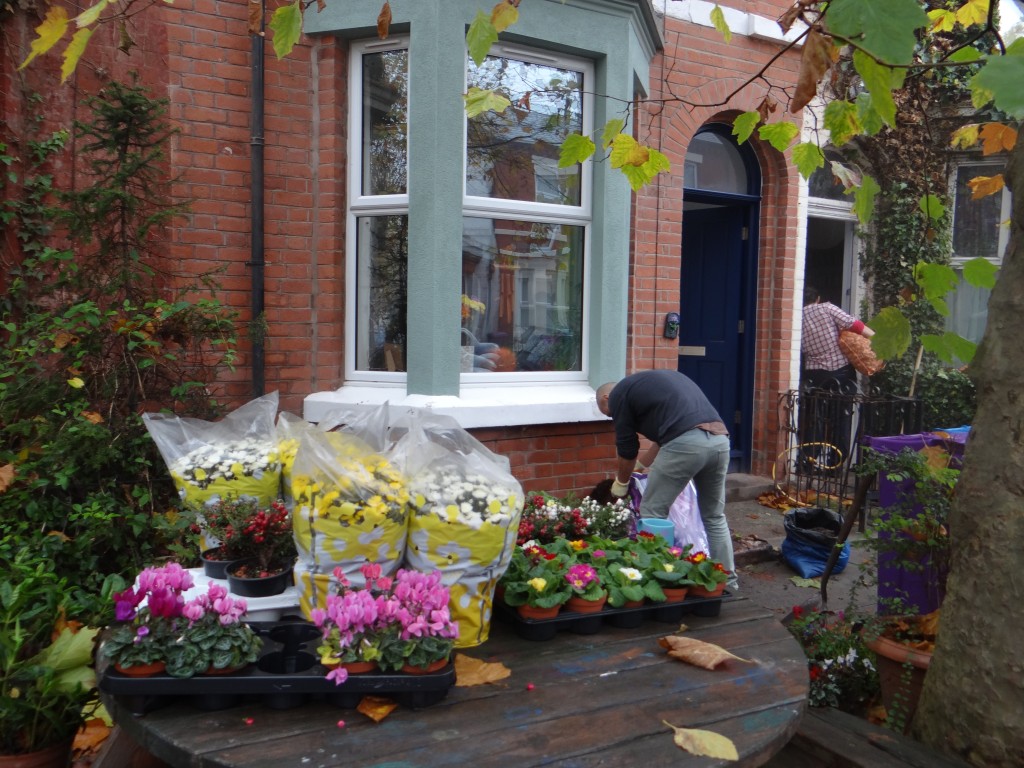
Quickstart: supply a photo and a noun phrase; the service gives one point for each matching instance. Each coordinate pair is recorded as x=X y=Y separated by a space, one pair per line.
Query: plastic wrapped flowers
x=391 y=624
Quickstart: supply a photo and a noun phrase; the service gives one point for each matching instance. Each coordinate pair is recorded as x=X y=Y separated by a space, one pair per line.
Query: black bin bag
x=811 y=534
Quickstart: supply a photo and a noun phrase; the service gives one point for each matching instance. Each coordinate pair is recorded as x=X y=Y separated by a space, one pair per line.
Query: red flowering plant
x=705 y=572
x=248 y=531
x=839 y=663
x=546 y=518
x=536 y=577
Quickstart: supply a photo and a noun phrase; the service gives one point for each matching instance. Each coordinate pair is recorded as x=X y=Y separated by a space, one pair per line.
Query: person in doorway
x=827 y=420
x=690 y=442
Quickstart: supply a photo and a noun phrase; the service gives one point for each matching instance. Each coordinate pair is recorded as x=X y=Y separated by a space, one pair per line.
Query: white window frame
x=476 y=206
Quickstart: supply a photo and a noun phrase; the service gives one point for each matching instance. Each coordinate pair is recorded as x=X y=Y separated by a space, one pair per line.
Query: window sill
x=490 y=406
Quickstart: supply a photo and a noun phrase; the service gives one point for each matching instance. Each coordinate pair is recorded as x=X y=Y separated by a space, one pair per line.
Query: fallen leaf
x=696 y=652
x=6 y=477
x=809 y=583
x=90 y=737
x=470 y=671
x=376 y=707
x=700 y=742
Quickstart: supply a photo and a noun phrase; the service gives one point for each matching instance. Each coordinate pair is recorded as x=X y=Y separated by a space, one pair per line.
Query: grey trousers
x=704 y=458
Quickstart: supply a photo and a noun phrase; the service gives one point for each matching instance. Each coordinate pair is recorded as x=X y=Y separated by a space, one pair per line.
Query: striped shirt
x=819 y=342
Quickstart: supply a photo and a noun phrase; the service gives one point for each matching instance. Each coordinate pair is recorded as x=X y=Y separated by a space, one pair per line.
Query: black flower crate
x=287 y=674
x=590 y=623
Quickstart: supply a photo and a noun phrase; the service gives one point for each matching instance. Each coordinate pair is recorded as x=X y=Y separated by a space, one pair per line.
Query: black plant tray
x=287 y=674
x=591 y=623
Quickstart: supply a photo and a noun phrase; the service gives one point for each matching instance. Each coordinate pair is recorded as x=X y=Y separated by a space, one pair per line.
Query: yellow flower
x=578 y=544
x=668 y=567
x=538 y=583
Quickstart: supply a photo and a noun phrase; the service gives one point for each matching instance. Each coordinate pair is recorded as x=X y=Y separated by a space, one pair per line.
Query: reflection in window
x=382 y=279
x=823 y=183
x=975 y=222
x=385 y=87
x=514 y=155
x=522 y=286
x=714 y=163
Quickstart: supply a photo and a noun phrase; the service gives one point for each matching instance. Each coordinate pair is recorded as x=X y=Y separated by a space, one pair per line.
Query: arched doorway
x=718 y=280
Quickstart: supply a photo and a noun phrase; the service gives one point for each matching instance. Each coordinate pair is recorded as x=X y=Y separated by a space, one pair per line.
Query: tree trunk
x=973 y=699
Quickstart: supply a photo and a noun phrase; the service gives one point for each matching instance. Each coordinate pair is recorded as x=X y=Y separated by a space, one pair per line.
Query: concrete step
x=743 y=487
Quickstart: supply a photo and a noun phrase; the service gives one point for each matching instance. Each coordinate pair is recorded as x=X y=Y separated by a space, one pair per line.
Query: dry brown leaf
x=6 y=477
x=90 y=737
x=92 y=417
x=700 y=742
x=470 y=671
x=767 y=106
x=815 y=61
x=255 y=19
x=696 y=652
x=384 y=21
x=376 y=707
x=935 y=456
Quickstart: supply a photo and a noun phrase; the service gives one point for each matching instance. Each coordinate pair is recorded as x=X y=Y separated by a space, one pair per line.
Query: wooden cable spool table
x=574 y=700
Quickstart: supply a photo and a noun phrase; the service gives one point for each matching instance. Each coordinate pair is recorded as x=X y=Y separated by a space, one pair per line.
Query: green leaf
x=936 y=280
x=90 y=15
x=718 y=19
x=949 y=347
x=867 y=116
x=641 y=175
x=480 y=37
x=892 y=333
x=864 y=198
x=963 y=55
x=999 y=81
x=932 y=207
x=286 y=23
x=479 y=101
x=807 y=583
x=841 y=121
x=808 y=158
x=879 y=81
x=981 y=273
x=611 y=129
x=744 y=125
x=883 y=28
x=575 y=149
x=779 y=135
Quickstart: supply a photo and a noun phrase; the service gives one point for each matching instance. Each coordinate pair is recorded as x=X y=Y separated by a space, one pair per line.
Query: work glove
x=619 y=490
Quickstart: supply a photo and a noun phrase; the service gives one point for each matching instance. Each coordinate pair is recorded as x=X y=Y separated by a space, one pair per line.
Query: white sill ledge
x=474 y=407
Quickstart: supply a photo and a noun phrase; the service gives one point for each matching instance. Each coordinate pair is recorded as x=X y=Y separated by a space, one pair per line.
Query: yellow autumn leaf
x=92 y=417
x=384 y=21
x=996 y=138
x=89 y=16
x=942 y=20
x=626 y=151
x=504 y=15
x=62 y=338
x=965 y=137
x=376 y=707
x=983 y=186
x=76 y=382
x=470 y=671
x=52 y=29
x=6 y=477
x=973 y=12
x=699 y=742
x=74 y=52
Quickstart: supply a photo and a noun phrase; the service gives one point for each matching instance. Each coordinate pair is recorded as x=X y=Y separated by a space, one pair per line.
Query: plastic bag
x=234 y=457
x=351 y=507
x=465 y=507
x=811 y=534
x=684 y=514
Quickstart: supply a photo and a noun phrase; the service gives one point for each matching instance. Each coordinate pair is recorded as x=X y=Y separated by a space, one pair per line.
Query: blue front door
x=714 y=326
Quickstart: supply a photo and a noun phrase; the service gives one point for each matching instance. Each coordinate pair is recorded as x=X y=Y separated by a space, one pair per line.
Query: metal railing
x=822 y=433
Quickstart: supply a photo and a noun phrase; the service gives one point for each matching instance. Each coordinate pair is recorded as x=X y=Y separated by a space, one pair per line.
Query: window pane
x=385 y=101
x=514 y=155
x=713 y=163
x=968 y=309
x=382 y=272
x=823 y=183
x=522 y=287
x=975 y=222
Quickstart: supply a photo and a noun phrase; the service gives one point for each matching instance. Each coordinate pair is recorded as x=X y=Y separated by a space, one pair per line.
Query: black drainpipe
x=258 y=324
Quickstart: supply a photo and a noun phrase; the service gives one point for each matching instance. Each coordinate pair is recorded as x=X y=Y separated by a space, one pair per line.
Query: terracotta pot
x=257 y=586
x=433 y=666
x=532 y=612
x=54 y=756
x=901 y=672
x=633 y=604
x=695 y=590
x=212 y=670
x=359 y=667
x=675 y=594
x=582 y=605
x=142 y=670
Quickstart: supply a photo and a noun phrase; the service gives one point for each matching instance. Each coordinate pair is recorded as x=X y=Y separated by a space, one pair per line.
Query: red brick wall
x=197 y=53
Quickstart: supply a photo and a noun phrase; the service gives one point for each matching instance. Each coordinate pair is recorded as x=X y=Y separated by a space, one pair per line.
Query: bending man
x=670 y=410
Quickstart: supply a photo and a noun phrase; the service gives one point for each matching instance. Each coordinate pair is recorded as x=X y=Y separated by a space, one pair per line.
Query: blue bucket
x=659 y=527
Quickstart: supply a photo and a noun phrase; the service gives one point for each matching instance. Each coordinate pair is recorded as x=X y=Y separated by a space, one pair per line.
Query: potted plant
x=149 y=617
x=588 y=596
x=215 y=640
x=47 y=684
x=671 y=570
x=706 y=577
x=262 y=548
x=534 y=583
x=394 y=624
